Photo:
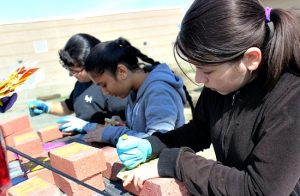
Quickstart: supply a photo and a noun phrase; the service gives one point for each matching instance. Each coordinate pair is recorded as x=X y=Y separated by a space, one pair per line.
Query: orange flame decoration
x=17 y=78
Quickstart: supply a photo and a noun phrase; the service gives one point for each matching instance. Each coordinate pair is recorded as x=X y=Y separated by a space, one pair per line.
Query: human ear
x=252 y=58
x=122 y=71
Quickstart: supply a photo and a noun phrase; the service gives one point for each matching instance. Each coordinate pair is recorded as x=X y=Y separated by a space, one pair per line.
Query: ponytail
x=282 y=51
x=133 y=50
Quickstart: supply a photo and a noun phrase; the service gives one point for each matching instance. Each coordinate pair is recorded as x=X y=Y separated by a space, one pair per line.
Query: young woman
x=86 y=101
x=156 y=96
x=248 y=58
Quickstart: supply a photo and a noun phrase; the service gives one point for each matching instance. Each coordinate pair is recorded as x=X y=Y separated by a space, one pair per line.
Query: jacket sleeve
x=161 y=114
x=195 y=134
x=111 y=134
x=271 y=169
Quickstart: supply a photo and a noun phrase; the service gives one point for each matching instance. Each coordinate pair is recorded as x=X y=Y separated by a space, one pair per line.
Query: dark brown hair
x=217 y=31
x=77 y=49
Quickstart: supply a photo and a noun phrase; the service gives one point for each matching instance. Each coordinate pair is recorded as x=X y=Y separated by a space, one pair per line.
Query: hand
x=140 y=174
x=117 y=121
x=132 y=150
x=7 y=102
x=72 y=123
x=94 y=135
x=38 y=107
x=114 y=121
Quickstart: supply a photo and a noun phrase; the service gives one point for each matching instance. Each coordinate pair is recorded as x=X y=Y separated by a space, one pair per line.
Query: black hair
x=107 y=55
x=217 y=31
x=77 y=49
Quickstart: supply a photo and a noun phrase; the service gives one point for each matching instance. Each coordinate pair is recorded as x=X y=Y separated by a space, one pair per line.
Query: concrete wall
x=294 y=4
x=152 y=31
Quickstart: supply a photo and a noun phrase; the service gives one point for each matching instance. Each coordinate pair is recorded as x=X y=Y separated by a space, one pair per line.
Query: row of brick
x=18 y=133
x=153 y=187
x=73 y=161
x=80 y=161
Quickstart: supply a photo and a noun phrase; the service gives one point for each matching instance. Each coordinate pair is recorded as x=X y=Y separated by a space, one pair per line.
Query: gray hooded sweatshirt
x=156 y=106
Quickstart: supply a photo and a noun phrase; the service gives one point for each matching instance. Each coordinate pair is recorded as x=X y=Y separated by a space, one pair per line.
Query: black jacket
x=255 y=135
x=89 y=103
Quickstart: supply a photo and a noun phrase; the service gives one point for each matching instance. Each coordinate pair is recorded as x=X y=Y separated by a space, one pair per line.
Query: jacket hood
x=163 y=73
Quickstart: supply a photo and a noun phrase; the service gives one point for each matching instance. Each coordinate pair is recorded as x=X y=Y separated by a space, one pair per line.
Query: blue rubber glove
x=38 y=107
x=72 y=123
x=133 y=150
x=7 y=102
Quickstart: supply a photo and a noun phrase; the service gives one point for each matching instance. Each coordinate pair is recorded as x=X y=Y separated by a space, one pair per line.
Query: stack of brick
x=50 y=133
x=32 y=169
x=34 y=186
x=17 y=133
x=113 y=163
x=151 y=187
x=82 y=162
x=160 y=187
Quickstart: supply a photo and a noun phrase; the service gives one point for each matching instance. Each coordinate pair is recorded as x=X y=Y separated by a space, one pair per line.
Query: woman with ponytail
x=248 y=58
x=156 y=96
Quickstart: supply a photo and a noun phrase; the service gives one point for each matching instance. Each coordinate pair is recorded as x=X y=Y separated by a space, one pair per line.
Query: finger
x=135 y=183
x=132 y=154
x=67 y=133
x=69 y=129
x=117 y=118
x=140 y=183
x=125 y=156
x=128 y=180
x=64 y=119
x=132 y=163
x=126 y=144
x=37 y=111
x=64 y=126
x=87 y=137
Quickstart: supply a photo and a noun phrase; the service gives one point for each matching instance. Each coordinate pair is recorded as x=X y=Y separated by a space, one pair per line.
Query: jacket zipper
x=233 y=102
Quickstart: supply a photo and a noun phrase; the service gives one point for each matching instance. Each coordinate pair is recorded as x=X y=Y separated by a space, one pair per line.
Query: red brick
x=16 y=124
x=155 y=186
x=44 y=174
x=113 y=163
x=52 y=145
x=28 y=143
x=9 y=139
x=10 y=156
x=78 y=160
x=71 y=188
x=34 y=186
x=160 y=187
x=50 y=133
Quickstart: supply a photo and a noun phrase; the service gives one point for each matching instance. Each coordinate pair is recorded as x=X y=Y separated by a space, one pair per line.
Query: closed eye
x=207 y=72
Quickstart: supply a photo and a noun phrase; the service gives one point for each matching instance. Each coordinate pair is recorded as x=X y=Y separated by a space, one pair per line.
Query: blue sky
x=19 y=10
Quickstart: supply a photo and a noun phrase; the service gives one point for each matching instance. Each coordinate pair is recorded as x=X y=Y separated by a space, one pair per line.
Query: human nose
x=71 y=73
x=200 y=77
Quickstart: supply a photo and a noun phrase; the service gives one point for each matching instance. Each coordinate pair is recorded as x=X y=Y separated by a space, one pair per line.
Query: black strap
x=36 y=161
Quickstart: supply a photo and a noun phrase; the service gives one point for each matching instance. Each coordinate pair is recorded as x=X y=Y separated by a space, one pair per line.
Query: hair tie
x=268 y=14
